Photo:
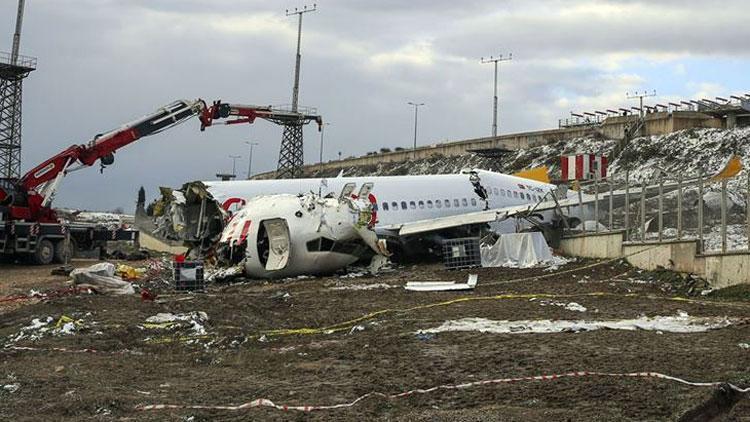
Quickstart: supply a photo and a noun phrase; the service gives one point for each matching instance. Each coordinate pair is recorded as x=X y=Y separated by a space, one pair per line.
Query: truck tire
x=44 y=253
x=61 y=252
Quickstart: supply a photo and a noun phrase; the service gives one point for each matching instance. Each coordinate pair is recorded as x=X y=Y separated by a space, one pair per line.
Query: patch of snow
x=572 y=306
x=682 y=323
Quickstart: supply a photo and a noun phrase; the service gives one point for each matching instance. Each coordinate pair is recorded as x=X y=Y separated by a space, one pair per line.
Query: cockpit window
x=320 y=244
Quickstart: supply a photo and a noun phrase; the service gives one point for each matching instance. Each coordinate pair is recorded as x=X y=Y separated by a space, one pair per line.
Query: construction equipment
x=28 y=224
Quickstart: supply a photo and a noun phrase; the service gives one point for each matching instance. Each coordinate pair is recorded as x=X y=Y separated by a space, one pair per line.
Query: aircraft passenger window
x=403 y=205
x=412 y=205
x=508 y=191
x=502 y=192
x=528 y=197
x=421 y=204
x=464 y=202
x=473 y=202
x=534 y=198
x=438 y=204
x=494 y=190
x=429 y=203
x=394 y=206
x=455 y=203
x=447 y=203
x=385 y=206
x=515 y=194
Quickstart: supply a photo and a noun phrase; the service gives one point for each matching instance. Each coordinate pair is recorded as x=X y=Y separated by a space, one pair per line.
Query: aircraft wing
x=500 y=214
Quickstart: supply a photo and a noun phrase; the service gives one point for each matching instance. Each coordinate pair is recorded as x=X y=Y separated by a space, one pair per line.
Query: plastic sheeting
x=517 y=250
x=101 y=278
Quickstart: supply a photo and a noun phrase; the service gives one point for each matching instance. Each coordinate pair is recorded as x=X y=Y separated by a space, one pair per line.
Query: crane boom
x=29 y=198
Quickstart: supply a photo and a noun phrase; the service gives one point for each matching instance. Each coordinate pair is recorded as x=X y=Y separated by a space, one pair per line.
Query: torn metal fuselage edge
x=270 y=236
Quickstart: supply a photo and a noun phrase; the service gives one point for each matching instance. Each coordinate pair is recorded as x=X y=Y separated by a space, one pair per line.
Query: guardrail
x=645 y=217
x=21 y=61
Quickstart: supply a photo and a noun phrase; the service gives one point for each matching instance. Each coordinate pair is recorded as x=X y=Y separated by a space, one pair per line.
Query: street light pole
x=234 y=164
x=495 y=60
x=416 y=108
x=322 y=131
x=250 y=159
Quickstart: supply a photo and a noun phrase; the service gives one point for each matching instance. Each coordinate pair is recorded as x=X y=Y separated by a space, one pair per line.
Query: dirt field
x=238 y=359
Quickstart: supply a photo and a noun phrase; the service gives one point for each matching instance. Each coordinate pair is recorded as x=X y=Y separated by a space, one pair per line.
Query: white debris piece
x=520 y=250
x=436 y=286
x=11 y=388
x=196 y=320
x=682 y=323
x=372 y=286
x=744 y=345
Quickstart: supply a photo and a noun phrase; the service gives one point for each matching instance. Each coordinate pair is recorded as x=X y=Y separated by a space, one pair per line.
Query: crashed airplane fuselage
x=200 y=211
x=288 y=235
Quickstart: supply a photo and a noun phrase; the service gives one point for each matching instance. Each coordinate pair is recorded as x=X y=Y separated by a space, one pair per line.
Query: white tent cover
x=518 y=250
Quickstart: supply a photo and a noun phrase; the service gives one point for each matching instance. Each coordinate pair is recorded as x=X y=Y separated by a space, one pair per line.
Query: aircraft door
x=279 y=245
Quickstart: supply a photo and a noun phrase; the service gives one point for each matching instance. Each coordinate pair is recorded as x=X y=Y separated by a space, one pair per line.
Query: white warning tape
x=268 y=403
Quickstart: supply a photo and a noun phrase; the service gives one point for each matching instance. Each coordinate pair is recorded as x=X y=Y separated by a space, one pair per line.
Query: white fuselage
x=400 y=199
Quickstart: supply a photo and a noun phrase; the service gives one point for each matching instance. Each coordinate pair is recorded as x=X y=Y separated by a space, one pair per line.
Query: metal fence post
x=661 y=206
x=679 y=206
x=580 y=208
x=643 y=212
x=627 y=205
x=724 y=216
x=700 y=212
x=596 y=205
x=611 y=206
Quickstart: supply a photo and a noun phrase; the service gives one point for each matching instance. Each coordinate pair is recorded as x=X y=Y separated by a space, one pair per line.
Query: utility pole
x=234 y=164
x=291 y=156
x=416 y=108
x=250 y=159
x=322 y=131
x=495 y=61
x=640 y=96
x=299 y=13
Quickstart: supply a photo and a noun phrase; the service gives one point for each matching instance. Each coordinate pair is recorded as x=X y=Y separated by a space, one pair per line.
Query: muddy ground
x=234 y=362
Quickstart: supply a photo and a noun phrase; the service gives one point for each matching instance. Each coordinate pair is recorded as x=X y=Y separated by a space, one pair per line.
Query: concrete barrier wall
x=598 y=245
x=678 y=256
x=727 y=269
x=720 y=270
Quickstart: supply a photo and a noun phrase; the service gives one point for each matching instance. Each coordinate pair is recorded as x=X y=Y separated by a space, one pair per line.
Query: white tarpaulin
x=517 y=250
x=101 y=278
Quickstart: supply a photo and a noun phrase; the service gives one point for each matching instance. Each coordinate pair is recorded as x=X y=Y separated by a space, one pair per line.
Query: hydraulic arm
x=29 y=198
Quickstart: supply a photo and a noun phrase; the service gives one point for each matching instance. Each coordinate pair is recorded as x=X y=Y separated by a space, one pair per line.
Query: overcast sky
x=104 y=62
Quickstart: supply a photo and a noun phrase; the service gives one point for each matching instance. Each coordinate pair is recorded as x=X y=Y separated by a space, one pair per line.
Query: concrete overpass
x=614 y=127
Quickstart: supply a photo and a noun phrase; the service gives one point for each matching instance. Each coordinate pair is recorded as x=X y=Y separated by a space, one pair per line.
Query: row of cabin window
x=515 y=194
x=439 y=204
x=429 y=204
